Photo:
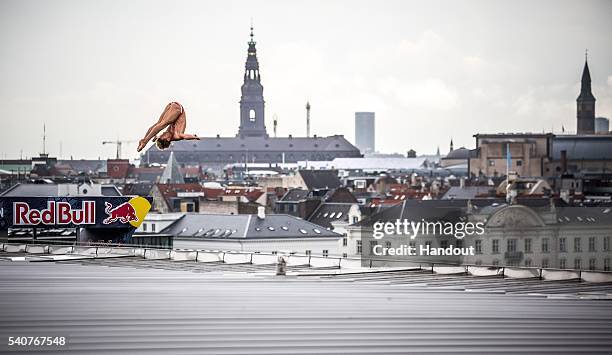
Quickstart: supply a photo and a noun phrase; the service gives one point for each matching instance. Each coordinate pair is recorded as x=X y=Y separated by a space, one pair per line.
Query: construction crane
x=118 y=143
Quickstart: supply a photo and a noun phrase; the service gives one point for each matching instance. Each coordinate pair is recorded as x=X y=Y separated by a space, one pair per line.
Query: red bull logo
x=132 y=212
x=56 y=213
x=123 y=213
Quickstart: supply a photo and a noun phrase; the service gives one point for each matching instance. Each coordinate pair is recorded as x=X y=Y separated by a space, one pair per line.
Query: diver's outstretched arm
x=189 y=137
x=152 y=132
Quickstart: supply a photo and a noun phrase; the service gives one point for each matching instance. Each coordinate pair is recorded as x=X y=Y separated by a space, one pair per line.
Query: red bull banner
x=71 y=212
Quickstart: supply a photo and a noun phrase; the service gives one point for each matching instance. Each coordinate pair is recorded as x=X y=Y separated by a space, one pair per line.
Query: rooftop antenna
x=44 y=139
x=586 y=54
x=275 y=124
x=307 y=119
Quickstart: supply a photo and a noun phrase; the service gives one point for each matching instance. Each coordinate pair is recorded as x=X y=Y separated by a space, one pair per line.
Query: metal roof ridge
x=248 y=224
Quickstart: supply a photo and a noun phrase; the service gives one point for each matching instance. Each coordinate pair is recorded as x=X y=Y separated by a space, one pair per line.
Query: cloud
x=429 y=94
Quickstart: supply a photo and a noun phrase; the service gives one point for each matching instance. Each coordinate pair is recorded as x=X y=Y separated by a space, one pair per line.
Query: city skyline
x=429 y=76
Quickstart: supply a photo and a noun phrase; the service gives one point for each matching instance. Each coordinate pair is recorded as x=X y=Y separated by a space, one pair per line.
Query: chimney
x=261 y=212
x=564 y=162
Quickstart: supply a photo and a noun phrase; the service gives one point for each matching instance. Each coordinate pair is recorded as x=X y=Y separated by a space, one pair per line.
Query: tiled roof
x=327 y=213
x=294 y=195
x=140 y=189
x=320 y=179
x=171 y=190
x=251 y=194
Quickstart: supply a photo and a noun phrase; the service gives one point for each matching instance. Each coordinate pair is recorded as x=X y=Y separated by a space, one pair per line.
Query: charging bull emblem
x=123 y=213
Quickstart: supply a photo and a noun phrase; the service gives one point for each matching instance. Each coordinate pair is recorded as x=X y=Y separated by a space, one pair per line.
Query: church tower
x=585 y=104
x=252 y=122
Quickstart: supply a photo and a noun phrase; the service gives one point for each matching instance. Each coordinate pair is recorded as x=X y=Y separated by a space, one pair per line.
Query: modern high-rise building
x=365 y=131
x=602 y=125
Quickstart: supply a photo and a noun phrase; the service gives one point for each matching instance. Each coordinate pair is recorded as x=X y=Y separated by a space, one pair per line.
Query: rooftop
x=132 y=305
x=58 y=190
x=195 y=226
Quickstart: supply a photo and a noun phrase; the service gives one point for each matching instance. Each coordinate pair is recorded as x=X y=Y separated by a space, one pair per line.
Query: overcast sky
x=431 y=70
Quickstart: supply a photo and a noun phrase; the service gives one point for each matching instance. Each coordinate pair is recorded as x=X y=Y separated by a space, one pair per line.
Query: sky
x=431 y=70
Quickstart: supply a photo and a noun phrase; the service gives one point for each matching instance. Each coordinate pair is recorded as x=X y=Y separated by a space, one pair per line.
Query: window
x=152 y=227
x=444 y=244
x=359 y=247
x=606 y=246
x=577 y=247
x=562 y=245
x=388 y=244
x=528 y=262
x=495 y=246
x=591 y=244
x=428 y=244
x=478 y=246
x=562 y=263
x=511 y=245
x=544 y=263
x=592 y=264
x=545 y=245
x=308 y=252
x=478 y=262
x=144 y=227
x=355 y=219
x=373 y=243
x=607 y=264
x=459 y=243
x=412 y=245
x=577 y=263
x=325 y=253
x=344 y=242
x=344 y=255
x=519 y=163
x=527 y=245
x=252 y=115
x=491 y=162
x=495 y=262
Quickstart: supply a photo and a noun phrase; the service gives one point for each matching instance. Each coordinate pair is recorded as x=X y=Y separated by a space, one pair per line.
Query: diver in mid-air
x=175 y=120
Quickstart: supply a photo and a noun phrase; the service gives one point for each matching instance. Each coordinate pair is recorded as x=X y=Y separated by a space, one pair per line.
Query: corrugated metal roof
x=128 y=310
